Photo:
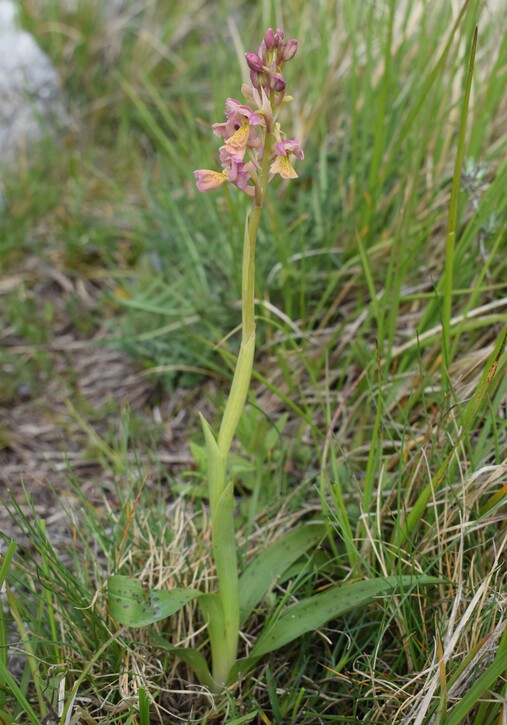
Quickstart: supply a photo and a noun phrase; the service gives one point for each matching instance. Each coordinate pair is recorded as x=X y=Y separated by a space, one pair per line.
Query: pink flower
x=237 y=143
x=240 y=130
x=237 y=114
x=239 y=175
x=234 y=110
x=289 y=146
x=277 y=37
x=208 y=180
x=281 y=164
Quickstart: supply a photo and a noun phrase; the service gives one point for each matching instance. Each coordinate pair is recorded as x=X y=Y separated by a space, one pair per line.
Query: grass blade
x=6 y=679
x=244 y=718
x=192 y=657
x=29 y=649
x=479 y=687
x=474 y=406
x=431 y=79
x=144 y=707
x=452 y=222
x=4 y=644
x=18 y=693
x=6 y=560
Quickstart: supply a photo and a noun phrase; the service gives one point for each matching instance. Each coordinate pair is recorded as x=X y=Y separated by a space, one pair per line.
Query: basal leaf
x=133 y=606
x=271 y=563
x=312 y=613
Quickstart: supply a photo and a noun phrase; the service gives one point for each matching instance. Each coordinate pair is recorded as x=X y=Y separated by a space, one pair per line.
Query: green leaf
x=133 y=606
x=192 y=657
x=312 y=613
x=271 y=563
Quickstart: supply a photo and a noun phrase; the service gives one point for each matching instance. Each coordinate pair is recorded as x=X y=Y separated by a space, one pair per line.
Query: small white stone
x=30 y=91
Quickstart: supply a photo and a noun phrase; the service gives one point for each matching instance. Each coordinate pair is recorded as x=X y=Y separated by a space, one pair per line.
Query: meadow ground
x=379 y=401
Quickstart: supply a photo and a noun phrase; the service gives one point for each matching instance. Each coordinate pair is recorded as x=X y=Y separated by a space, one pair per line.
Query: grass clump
x=379 y=398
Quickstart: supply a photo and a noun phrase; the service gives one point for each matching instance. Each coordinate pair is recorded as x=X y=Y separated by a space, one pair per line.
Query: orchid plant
x=254 y=152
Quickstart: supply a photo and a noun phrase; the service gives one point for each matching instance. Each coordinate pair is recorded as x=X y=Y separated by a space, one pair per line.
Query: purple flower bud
x=254 y=62
x=278 y=37
x=254 y=77
x=261 y=51
x=277 y=83
x=269 y=39
x=289 y=49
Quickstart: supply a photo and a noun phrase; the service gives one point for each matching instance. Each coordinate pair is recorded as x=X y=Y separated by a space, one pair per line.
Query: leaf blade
x=133 y=606
x=272 y=562
x=311 y=613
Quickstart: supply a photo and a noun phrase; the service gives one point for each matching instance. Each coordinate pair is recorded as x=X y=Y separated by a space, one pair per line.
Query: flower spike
x=251 y=130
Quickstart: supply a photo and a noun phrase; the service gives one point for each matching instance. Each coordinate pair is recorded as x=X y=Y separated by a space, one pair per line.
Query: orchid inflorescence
x=248 y=127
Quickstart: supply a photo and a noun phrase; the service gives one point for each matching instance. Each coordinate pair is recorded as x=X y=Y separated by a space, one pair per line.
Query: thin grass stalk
x=69 y=705
x=375 y=178
x=4 y=644
x=374 y=454
x=452 y=221
x=29 y=650
x=49 y=598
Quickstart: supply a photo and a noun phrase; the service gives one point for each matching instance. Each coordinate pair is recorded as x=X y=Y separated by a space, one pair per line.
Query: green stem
x=243 y=372
x=222 y=495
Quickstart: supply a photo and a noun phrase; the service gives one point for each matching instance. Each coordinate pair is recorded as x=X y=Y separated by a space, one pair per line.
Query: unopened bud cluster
x=246 y=127
x=265 y=65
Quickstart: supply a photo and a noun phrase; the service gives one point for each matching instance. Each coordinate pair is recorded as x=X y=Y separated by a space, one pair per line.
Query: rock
x=30 y=92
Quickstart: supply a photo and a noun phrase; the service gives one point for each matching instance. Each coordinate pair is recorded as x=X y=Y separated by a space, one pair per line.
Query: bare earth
x=57 y=428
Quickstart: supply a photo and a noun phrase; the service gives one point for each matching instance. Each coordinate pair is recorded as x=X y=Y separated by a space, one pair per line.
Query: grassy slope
x=379 y=339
